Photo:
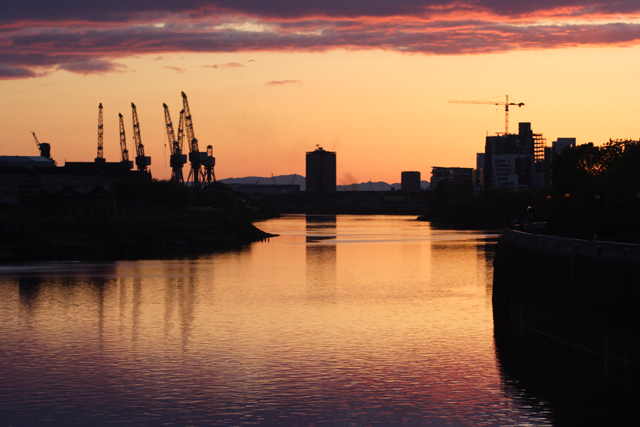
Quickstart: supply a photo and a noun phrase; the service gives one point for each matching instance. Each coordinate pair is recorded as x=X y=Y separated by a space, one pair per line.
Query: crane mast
x=36 y=138
x=506 y=108
x=181 y=130
x=171 y=136
x=44 y=148
x=177 y=158
x=195 y=157
x=141 y=160
x=123 y=145
x=193 y=142
x=100 y=156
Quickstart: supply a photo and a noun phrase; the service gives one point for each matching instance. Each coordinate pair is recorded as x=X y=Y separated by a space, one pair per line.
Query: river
x=338 y=321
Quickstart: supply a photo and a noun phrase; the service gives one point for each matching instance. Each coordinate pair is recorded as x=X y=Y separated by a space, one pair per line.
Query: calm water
x=343 y=321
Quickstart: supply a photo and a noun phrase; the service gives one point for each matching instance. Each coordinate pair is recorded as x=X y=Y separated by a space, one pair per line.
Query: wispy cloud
x=90 y=65
x=282 y=82
x=228 y=65
x=176 y=69
x=84 y=37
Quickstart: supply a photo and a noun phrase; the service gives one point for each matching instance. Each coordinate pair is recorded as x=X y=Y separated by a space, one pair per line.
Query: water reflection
x=321 y=258
x=340 y=321
x=561 y=383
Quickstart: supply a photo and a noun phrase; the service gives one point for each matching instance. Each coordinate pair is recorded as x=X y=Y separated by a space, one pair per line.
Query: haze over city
x=269 y=81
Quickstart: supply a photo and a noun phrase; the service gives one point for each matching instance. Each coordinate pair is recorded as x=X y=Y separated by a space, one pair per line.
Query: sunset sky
x=269 y=80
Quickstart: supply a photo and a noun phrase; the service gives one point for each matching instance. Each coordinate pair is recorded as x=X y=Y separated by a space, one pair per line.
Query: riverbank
x=134 y=234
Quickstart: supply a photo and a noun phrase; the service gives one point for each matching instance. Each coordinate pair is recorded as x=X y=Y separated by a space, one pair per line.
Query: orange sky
x=267 y=84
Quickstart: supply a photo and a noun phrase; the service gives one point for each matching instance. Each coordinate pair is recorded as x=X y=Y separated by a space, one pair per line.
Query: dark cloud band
x=82 y=37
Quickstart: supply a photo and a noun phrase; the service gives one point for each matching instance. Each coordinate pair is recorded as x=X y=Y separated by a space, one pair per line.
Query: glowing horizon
x=267 y=82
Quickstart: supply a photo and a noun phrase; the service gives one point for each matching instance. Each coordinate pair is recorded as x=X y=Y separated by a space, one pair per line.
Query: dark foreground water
x=340 y=321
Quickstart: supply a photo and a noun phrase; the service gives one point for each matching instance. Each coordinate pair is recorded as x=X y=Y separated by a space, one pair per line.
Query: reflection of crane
x=123 y=146
x=100 y=156
x=177 y=158
x=141 y=160
x=44 y=148
x=506 y=108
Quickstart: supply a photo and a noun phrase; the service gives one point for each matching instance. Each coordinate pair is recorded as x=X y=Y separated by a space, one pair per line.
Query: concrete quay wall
x=573 y=297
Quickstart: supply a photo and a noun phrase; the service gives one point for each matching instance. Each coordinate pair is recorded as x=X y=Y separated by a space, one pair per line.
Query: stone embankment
x=570 y=296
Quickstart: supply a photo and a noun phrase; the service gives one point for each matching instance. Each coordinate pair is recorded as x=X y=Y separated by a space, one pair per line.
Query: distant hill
x=295 y=179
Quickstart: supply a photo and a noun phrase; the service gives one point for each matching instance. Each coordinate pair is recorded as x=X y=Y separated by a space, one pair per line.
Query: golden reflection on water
x=337 y=319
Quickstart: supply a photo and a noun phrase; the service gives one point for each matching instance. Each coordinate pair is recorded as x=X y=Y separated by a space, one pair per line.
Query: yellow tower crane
x=489 y=102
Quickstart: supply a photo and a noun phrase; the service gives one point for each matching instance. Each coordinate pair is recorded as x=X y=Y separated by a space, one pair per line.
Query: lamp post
x=597 y=196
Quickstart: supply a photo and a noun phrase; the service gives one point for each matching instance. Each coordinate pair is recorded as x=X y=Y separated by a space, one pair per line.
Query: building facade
x=410 y=182
x=515 y=161
x=321 y=171
x=451 y=183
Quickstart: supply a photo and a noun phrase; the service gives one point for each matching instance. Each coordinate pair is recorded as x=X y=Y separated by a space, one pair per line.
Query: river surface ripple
x=339 y=321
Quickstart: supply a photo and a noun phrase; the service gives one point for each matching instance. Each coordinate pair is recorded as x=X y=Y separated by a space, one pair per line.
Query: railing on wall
x=578 y=247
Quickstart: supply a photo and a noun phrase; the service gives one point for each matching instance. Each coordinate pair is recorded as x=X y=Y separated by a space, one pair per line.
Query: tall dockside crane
x=44 y=148
x=142 y=161
x=100 y=156
x=506 y=108
x=177 y=158
x=123 y=146
x=196 y=158
x=209 y=163
x=181 y=130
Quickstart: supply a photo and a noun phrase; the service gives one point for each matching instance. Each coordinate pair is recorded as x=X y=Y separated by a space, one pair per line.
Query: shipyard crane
x=488 y=102
x=100 y=156
x=36 y=138
x=181 y=130
x=177 y=158
x=142 y=161
x=123 y=146
x=209 y=163
x=44 y=148
x=195 y=157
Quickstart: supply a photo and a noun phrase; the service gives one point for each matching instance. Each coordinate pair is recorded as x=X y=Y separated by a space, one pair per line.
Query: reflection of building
x=410 y=182
x=321 y=256
x=321 y=171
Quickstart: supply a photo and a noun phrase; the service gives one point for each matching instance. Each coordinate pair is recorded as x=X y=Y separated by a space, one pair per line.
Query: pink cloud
x=88 y=38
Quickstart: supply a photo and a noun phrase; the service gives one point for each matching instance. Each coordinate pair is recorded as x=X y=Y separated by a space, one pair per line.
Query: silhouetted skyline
x=268 y=81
